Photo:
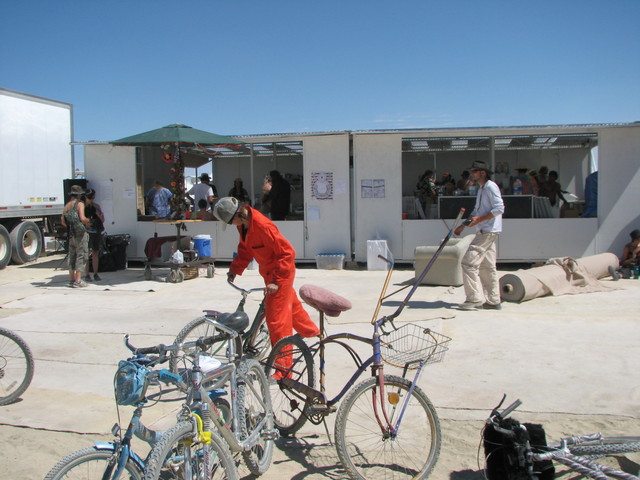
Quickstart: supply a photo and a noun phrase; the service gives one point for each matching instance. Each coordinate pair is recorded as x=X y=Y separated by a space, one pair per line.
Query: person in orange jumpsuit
x=261 y=240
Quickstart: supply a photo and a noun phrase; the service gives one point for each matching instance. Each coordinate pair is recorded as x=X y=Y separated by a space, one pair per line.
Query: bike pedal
x=323 y=409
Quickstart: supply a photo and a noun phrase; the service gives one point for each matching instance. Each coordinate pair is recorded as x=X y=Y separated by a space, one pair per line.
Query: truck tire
x=5 y=247
x=26 y=240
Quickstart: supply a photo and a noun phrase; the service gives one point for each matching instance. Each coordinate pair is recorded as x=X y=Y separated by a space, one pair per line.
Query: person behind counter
x=464 y=183
x=426 y=189
x=552 y=189
x=279 y=196
x=239 y=192
x=203 y=213
x=447 y=184
x=203 y=190
x=157 y=199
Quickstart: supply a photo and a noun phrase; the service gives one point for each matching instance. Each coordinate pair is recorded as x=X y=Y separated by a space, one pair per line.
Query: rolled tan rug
x=560 y=276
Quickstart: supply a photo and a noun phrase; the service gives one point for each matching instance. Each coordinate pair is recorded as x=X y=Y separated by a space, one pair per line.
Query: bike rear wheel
x=180 y=456
x=291 y=359
x=92 y=464
x=366 y=451
x=254 y=407
x=16 y=366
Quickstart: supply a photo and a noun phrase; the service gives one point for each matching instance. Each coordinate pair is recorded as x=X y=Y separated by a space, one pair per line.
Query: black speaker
x=70 y=182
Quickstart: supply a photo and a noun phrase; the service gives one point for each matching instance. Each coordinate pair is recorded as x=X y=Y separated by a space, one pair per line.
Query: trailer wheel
x=26 y=240
x=5 y=247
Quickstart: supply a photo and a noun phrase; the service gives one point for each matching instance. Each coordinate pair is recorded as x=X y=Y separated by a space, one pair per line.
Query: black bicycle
x=16 y=366
x=519 y=451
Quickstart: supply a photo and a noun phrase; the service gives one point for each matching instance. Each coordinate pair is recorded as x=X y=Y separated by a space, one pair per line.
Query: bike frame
x=375 y=360
x=215 y=379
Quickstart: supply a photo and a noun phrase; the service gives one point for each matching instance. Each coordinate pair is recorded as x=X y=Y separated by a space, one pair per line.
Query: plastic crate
x=330 y=261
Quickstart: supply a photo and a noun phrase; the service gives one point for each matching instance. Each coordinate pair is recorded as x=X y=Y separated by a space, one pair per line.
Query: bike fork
x=380 y=399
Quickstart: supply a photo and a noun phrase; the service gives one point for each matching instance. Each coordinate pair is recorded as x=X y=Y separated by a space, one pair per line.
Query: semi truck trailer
x=36 y=157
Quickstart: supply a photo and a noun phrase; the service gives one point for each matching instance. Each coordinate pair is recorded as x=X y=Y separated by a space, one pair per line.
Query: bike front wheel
x=16 y=366
x=196 y=329
x=369 y=450
x=255 y=415
x=181 y=456
x=92 y=464
x=290 y=362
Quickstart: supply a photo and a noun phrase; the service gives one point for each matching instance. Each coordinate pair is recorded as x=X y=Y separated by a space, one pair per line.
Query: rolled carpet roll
x=558 y=277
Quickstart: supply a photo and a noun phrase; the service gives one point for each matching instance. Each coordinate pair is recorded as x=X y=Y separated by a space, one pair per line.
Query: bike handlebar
x=244 y=290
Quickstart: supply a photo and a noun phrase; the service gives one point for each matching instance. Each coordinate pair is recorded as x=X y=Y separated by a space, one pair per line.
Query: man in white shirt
x=203 y=190
x=479 y=273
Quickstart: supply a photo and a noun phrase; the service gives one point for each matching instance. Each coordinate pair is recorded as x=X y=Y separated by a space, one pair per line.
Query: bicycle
x=16 y=366
x=250 y=430
x=372 y=440
x=515 y=450
x=116 y=459
x=254 y=342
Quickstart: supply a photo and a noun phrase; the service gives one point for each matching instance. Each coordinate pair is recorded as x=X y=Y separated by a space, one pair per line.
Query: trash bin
x=116 y=245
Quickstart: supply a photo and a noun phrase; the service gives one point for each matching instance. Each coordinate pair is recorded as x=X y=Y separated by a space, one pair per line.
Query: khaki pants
x=479 y=272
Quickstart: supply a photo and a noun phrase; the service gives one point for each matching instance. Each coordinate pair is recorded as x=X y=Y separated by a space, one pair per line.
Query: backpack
x=72 y=219
x=506 y=458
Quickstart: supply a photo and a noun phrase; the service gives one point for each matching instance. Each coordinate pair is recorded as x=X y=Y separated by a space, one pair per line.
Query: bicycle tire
x=366 y=453
x=607 y=446
x=251 y=411
x=201 y=328
x=289 y=406
x=179 y=448
x=16 y=366
x=91 y=464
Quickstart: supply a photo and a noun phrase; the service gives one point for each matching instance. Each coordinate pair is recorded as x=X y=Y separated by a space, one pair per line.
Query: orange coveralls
x=276 y=259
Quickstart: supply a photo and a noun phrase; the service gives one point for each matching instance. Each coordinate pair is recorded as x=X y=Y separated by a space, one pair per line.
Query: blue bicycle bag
x=130 y=383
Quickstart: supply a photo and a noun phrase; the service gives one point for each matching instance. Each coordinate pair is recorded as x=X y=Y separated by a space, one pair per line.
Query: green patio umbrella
x=179 y=141
x=177 y=133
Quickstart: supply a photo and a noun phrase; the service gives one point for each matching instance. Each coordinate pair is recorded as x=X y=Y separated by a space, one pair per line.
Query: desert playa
x=572 y=359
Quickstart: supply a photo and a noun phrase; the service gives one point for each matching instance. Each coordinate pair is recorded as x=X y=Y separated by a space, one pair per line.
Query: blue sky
x=246 y=67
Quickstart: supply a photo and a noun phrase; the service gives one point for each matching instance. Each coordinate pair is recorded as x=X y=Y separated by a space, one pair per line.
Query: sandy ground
x=572 y=359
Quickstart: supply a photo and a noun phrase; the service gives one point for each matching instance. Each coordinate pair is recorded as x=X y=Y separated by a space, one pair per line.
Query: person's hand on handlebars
x=271 y=288
x=231 y=276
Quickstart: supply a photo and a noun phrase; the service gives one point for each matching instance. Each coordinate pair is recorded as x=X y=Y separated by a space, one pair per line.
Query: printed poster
x=372 y=188
x=322 y=185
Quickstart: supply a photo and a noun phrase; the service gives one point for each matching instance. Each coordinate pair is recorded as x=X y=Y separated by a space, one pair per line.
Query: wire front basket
x=412 y=344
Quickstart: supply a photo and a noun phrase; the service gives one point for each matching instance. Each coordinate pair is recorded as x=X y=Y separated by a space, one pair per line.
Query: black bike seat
x=237 y=321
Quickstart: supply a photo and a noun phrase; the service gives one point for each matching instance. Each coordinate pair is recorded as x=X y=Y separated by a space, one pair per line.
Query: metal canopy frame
x=499 y=142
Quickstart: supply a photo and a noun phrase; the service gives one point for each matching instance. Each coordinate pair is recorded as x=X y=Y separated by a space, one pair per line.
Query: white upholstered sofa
x=446 y=270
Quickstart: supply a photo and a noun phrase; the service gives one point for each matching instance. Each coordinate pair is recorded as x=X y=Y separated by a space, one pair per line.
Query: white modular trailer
x=352 y=187
x=569 y=150
x=36 y=156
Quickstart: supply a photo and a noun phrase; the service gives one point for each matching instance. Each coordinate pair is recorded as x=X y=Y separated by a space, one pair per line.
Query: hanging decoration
x=176 y=173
